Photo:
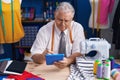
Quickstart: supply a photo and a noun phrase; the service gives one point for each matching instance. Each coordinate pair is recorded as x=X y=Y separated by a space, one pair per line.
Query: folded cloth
x=25 y=76
x=34 y=79
x=82 y=70
x=2 y=76
x=3 y=64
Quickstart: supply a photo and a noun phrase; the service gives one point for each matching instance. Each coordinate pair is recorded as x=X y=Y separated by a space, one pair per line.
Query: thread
x=112 y=62
x=115 y=74
x=95 y=66
x=106 y=74
x=99 y=71
x=108 y=62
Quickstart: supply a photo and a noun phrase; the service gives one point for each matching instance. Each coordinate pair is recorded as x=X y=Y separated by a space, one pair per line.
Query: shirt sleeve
x=78 y=37
x=40 y=42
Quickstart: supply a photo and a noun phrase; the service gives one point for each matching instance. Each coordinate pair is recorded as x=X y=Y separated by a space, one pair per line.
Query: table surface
x=49 y=72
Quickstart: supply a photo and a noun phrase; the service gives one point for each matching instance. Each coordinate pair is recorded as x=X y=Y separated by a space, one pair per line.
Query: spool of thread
x=106 y=74
x=95 y=66
x=108 y=62
x=115 y=74
x=112 y=62
x=100 y=70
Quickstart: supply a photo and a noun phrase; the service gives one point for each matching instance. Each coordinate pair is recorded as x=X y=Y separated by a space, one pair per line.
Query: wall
x=83 y=10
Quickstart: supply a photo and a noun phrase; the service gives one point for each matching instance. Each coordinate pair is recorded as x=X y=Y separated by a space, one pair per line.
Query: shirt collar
x=65 y=31
x=59 y=32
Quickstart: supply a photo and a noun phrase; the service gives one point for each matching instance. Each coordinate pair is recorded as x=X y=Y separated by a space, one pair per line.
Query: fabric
x=116 y=27
x=101 y=11
x=34 y=79
x=44 y=37
x=106 y=7
x=62 y=47
x=3 y=64
x=2 y=76
x=18 y=29
x=82 y=70
x=25 y=76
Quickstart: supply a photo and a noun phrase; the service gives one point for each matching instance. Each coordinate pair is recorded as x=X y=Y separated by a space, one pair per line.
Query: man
x=48 y=37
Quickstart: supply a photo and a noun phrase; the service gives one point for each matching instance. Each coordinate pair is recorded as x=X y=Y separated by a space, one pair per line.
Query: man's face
x=63 y=19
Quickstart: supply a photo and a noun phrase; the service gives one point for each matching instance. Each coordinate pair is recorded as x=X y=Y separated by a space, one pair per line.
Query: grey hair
x=66 y=7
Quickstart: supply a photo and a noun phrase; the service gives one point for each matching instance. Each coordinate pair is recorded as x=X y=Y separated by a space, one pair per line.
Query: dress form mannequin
x=12 y=23
x=100 y=12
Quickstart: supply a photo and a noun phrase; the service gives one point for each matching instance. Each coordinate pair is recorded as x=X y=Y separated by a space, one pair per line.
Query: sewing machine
x=101 y=46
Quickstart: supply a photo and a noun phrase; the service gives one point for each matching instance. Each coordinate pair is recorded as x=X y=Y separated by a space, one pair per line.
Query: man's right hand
x=40 y=58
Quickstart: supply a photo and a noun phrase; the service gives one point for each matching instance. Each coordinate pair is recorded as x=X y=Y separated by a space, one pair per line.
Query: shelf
x=35 y=21
x=22 y=46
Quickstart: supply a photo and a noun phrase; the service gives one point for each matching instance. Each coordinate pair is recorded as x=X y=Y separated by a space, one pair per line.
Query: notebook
x=16 y=66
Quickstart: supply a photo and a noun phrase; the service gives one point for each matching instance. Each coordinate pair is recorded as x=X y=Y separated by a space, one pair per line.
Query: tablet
x=51 y=58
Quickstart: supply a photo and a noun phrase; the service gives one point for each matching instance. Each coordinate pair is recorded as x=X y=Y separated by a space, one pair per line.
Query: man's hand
x=67 y=61
x=63 y=63
x=40 y=58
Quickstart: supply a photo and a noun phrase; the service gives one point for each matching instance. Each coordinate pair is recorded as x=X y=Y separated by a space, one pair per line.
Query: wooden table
x=48 y=72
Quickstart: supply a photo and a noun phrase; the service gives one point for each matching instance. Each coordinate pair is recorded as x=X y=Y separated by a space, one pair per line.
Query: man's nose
x=63 y=23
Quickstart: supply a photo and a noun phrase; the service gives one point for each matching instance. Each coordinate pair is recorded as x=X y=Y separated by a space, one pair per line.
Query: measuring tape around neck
x=52 y=41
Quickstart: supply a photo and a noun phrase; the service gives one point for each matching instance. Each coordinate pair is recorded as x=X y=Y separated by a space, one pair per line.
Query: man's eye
x=60 y=19
x=66 y=20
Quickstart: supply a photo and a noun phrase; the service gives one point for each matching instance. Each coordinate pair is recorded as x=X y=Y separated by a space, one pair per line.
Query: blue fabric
x=34 y=79
x=1 y=77
x=4 y=59
x=116 y=65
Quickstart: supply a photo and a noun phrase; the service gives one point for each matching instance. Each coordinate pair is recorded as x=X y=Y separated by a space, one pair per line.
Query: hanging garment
x=100 y=9
x=12 y=31
x=116 y=27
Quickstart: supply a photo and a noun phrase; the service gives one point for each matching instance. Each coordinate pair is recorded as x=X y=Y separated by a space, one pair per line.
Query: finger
x=62 y=61
x=59 y=65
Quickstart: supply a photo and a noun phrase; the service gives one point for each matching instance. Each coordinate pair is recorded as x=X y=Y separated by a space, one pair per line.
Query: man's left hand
x=62 y=64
